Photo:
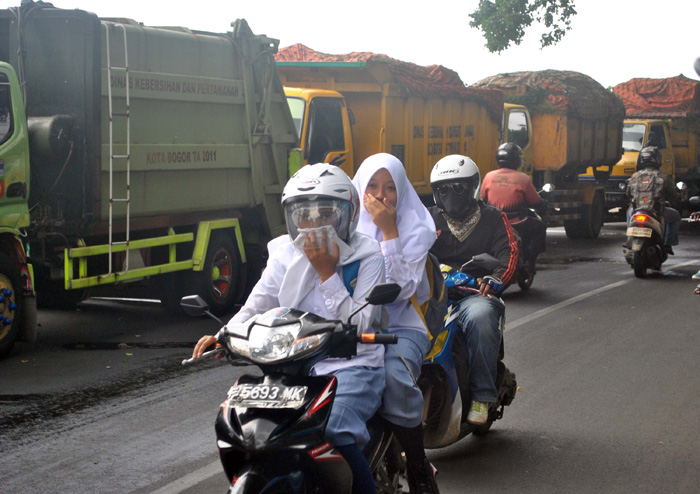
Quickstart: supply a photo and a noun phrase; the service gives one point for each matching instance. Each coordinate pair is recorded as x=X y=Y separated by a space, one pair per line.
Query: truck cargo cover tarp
x=416 y=80
x=653 y=98
x=558 y=91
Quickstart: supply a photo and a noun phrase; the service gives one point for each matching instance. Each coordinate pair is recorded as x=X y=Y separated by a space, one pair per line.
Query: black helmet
x=509 y=155
x=649 y=157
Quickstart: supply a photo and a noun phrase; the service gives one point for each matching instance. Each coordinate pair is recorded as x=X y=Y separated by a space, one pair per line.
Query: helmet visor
x=315 y=213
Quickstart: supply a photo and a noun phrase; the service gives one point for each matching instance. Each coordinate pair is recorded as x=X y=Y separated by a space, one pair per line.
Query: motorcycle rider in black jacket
x=467 y=227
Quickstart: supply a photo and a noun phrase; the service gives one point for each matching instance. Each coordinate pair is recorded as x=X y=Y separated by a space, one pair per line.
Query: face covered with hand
x=315 y=216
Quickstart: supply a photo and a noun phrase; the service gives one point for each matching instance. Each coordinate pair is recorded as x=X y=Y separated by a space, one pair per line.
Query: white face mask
x=333 y=239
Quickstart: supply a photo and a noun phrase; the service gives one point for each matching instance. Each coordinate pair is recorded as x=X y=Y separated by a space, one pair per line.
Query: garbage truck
x=565 y=122
x=663 y=113
x=347 y=107
x=136 y=158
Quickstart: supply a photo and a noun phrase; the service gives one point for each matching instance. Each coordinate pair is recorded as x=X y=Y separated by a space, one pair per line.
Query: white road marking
x=191 y=479
x=578 y=298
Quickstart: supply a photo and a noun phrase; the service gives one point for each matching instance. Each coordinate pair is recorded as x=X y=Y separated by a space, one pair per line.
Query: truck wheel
x=11 y=295
x=590 y=225
x=639 y=264
x=219 y=283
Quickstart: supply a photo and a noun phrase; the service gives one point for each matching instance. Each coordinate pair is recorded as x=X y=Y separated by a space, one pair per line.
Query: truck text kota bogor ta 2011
x=131 y=156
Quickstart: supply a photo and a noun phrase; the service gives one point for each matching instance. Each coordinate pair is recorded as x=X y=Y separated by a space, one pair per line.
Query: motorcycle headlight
x=267 y=345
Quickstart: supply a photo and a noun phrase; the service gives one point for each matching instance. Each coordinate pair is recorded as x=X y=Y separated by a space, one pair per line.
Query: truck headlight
x=622 y=186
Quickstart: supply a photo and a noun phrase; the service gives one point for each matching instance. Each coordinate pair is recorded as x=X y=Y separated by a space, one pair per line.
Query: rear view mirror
x=383 y=293
x=194 y=305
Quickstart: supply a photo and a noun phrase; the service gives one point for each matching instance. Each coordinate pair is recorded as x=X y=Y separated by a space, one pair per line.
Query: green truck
x=134 y=157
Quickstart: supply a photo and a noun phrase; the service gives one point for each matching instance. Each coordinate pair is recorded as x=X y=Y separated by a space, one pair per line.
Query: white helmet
x=451 y=169
x=321 y=192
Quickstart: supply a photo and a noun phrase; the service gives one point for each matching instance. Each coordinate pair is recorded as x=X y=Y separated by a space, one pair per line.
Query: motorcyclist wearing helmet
x=304 y=271
x=467 y=227
x=650 y=159
x=512 y=192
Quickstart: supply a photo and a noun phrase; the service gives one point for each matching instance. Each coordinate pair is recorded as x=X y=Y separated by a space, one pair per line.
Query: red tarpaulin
x=558 y=91
x=655 y=98
x=416 y=80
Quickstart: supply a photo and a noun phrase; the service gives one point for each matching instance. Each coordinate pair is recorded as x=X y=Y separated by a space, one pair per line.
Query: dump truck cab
x=636 y=134
x=324 y=126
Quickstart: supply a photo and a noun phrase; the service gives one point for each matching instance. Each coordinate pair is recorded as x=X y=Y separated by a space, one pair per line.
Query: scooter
x=644 y=248
x=525 y=270
x=270 y=429
x=521 y=220
x=444 y=378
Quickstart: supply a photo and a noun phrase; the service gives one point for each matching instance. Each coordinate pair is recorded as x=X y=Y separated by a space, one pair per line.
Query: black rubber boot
x=418 y=468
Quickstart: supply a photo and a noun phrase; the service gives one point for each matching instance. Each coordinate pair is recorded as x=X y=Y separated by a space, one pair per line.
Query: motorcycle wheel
x=639 y=264
x=525 y=277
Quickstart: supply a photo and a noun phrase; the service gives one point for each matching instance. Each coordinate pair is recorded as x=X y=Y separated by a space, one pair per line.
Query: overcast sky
x=610 y=40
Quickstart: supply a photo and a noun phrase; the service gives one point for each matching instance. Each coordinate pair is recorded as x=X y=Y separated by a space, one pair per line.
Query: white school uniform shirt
x=289 y=280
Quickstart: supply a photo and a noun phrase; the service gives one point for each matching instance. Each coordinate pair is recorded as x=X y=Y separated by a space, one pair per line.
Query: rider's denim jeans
x=480 y=319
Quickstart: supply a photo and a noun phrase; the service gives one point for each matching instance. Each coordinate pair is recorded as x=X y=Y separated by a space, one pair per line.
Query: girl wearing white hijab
x=304 y=272
x=393 y=214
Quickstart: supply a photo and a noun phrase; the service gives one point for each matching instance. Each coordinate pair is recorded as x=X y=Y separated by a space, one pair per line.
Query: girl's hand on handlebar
x=202 y=345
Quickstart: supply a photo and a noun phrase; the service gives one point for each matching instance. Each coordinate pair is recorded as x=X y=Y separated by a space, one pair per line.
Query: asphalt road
x=606 y=363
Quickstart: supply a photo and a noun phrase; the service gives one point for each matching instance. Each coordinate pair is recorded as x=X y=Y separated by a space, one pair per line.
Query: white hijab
x=416 y=226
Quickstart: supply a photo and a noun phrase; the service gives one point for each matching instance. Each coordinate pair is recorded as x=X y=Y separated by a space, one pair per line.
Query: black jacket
x=492 y=235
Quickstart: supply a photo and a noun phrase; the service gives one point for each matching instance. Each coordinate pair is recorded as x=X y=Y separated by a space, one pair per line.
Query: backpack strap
x=350 y=275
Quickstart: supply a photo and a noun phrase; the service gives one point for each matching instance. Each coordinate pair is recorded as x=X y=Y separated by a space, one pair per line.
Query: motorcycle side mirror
x=383 y=293
x=195 y=306
x=482 y=261
x=694 y=201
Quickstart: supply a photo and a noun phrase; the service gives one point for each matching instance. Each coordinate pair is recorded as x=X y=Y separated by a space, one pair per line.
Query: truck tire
x=220 y=283
x=12 y=298
x=590 y=225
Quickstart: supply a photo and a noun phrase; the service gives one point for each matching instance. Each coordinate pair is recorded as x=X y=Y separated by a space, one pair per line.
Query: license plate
x=266 y=396
x=635 y=231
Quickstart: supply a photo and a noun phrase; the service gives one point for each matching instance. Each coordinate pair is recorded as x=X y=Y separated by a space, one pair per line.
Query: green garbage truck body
x=134 y=153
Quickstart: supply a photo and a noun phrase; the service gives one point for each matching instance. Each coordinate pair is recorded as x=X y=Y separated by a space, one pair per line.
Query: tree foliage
x=505 y=21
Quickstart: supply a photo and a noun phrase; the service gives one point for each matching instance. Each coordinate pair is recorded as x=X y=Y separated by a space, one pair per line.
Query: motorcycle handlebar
x=379 y=338
x=205 y=356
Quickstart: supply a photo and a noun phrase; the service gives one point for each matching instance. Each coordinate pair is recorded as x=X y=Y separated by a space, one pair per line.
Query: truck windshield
x=5 y=107
x=297 y=107
x=633 y=136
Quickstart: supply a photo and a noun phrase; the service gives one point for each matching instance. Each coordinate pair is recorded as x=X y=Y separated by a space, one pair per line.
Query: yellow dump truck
x=663 y=113
x=564 y=122
x=348 y=107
